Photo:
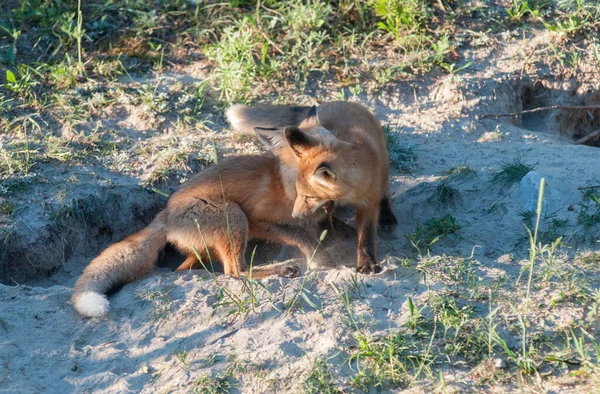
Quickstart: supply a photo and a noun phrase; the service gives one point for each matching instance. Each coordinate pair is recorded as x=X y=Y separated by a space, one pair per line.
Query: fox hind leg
x=208 y=226
x=192 y=262
x=387 y=219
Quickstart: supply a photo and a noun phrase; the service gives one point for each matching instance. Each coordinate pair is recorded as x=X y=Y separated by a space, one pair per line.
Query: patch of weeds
x=8 y=207
x=17 y=158
x=511 y=172
x=386 y=362
x=567 y=27
x=448 y=270
x=7 y=237
x=415 y=316
x=182 y=356
x=381 y=362
x=86 y=211
x=589 y=213
x=459 y=173
x=400 y=16
x=525 y=359
x=433 y=230
x=448 y=312
x=215 y=383
x=23 y=82
x=520 y=9
x=554 y=227
x=444 y=193
x=235 y=65
x=161 y=303
x=177 y=159
x=192 y=99
x=307 y=16
x=302 y=292
x=402 y=155
x=469 y=341
x=319 y=379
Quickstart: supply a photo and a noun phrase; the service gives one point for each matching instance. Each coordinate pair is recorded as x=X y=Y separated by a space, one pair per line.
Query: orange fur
x=340 y=155
x=216 y=213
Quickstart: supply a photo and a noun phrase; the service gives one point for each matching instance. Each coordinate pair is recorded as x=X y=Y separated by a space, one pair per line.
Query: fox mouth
x=328 y=206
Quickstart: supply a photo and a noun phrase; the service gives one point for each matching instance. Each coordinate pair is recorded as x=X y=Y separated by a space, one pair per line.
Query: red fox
x=216 y=212
x=339 y=153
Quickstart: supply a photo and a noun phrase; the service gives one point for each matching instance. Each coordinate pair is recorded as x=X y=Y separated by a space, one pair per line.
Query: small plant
x=452 y=69
x=235 y=66
x=520 y=9
x=302 y=291
x=415 y=317
x=511 y=172
x=14 y=34
x=160 y=300
x=220 y=383
x=21 y=83
x=399 y=16
x=182 y=357
x=319 y=379
x=432 y=231
x=449 y=313
x=402 y=155
x=525 y=361
x=568 y=27
x=444 y=193
x=381 y=363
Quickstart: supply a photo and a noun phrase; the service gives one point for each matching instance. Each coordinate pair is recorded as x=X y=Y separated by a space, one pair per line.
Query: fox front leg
x=367 y=221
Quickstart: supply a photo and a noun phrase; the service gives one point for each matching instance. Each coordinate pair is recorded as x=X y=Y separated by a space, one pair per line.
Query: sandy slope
x=164 y=333
x=46 y=347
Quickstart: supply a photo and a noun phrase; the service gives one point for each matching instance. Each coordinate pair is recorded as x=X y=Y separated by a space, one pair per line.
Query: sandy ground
x=167 y=332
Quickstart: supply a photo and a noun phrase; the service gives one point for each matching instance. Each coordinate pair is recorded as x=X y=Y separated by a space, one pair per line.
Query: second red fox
x=339 y=152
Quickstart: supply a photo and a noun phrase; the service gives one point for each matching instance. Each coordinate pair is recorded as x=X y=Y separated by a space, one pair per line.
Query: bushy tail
x=119 y=264
x=244 y=118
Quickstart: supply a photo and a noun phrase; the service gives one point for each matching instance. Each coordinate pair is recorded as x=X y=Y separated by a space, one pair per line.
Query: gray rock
x=529 y=189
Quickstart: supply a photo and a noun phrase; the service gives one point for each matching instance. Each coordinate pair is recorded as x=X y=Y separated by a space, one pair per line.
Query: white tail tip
x=92 y=304
x=233 y=114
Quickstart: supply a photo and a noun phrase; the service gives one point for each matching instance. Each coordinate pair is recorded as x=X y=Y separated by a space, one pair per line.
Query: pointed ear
x=299 y=141
x=272 y=139
x=325 y=174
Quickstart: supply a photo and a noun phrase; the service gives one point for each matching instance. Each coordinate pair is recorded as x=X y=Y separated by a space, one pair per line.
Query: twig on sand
x=591 y=136
x=528 y=111
x=588 y=187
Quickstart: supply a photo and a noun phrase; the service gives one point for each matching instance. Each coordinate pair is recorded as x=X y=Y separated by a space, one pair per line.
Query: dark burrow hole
x=264 y=252
x=581 y=125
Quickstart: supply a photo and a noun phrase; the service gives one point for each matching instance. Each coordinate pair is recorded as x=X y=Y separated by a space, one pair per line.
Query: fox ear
x=325 y=174
x=272 y=139
x=299 y=141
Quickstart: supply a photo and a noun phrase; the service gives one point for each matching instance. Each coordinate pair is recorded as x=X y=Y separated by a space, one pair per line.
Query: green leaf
x=10 y=77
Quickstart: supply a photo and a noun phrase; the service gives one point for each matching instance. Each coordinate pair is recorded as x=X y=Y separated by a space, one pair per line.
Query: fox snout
x=298 y=215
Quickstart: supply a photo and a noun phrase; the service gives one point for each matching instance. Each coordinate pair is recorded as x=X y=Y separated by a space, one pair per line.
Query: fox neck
x=288 y=179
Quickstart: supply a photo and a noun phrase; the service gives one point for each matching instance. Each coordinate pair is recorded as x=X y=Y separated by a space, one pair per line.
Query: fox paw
x=369 y=268
x=388 y=222
x=290 y=271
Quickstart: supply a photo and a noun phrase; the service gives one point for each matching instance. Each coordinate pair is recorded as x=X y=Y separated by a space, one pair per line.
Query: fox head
x=326 y=170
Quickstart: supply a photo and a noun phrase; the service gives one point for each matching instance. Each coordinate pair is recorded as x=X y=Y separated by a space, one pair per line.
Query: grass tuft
x=511 y=172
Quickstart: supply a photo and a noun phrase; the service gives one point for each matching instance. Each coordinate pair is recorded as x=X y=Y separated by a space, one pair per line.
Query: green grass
x=511 y=172
x=160 y=301
x=432 y=230
x=218 y=383
x=319 y=379
x=402 y=155
x=71 y=82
